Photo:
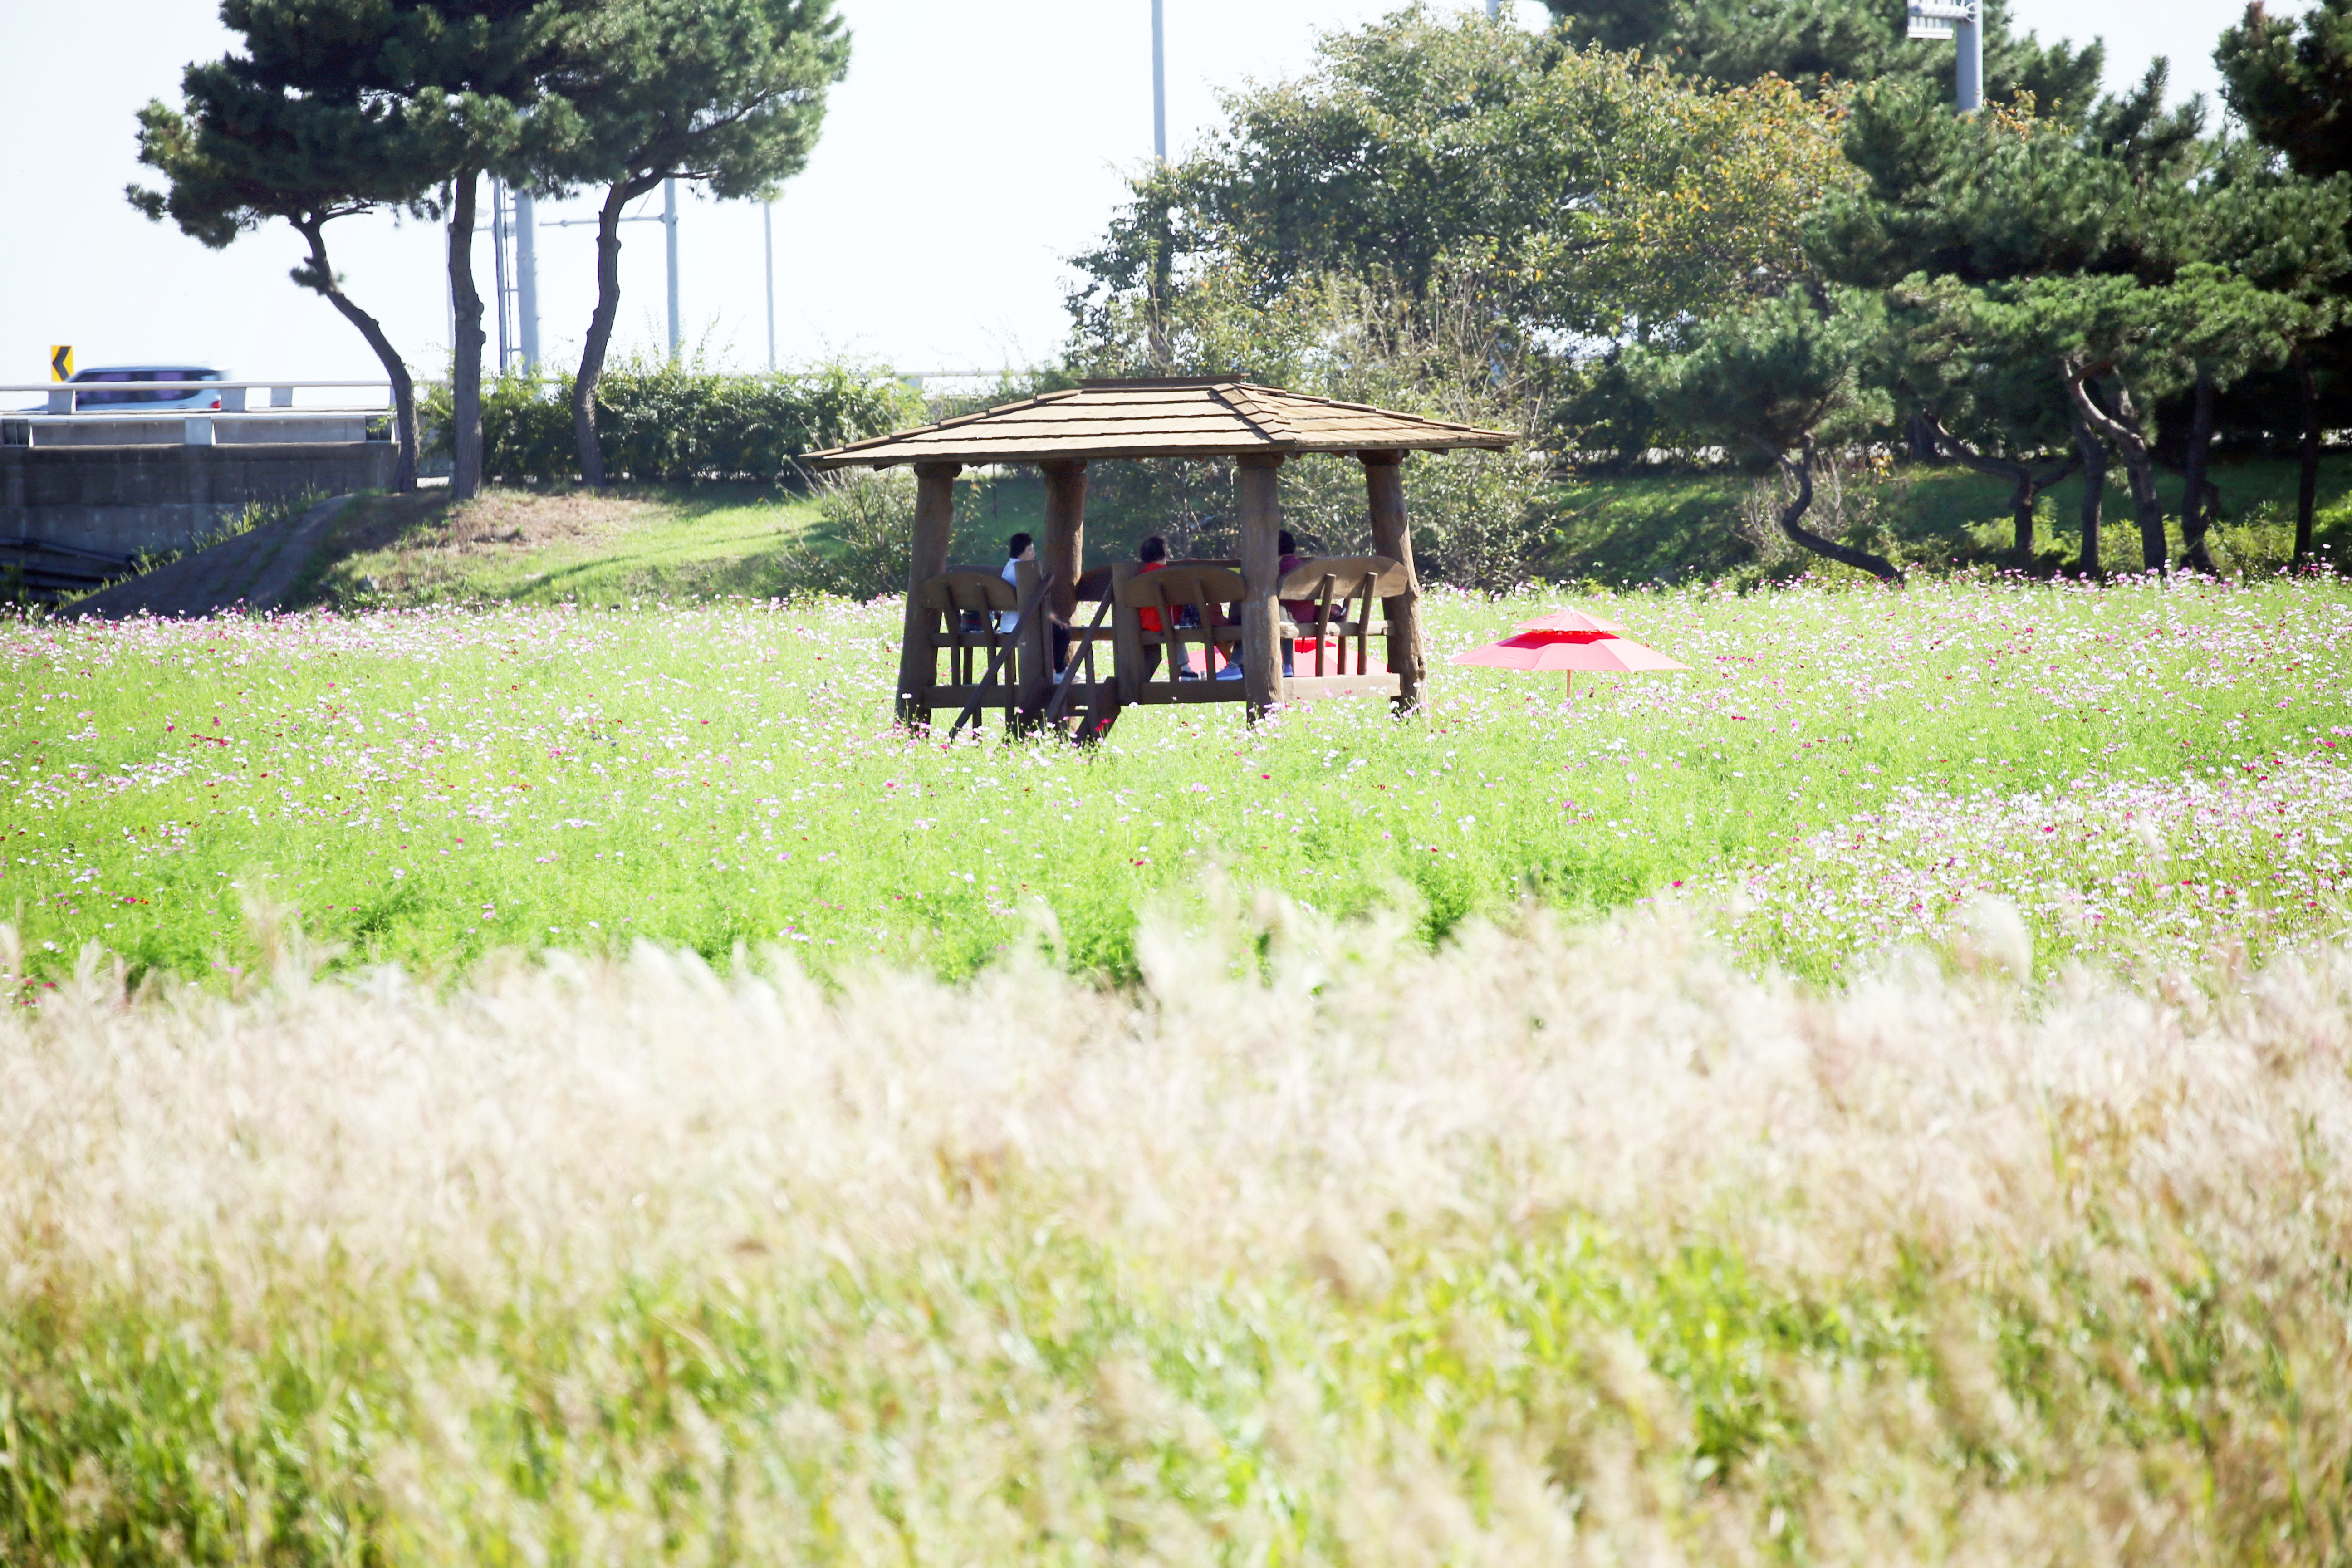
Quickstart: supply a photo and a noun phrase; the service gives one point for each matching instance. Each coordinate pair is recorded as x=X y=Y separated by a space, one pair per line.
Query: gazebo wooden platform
x=1230 y=603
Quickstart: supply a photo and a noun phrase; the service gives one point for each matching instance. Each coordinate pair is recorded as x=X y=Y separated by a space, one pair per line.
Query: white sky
x=972 y=148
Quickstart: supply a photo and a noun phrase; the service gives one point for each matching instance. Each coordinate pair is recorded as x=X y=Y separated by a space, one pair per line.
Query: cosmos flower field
x=568 y=1087
x=2144 y=771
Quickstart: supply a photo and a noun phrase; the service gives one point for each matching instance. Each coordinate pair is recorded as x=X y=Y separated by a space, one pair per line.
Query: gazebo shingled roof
x=1186 y=417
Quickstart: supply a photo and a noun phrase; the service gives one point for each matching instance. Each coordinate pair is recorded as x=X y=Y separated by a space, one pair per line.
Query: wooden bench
x=964 y=604
x=1342 y=589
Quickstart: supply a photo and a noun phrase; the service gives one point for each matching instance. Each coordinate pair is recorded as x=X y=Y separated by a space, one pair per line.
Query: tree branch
x=1878 y=566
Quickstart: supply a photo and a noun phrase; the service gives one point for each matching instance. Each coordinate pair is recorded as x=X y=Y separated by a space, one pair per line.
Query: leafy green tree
x=1832 y=40
x=1572 y=192
x=1782 y=377
x=729 y=93
x=243 y=150
x=2292 y=236
x=475 y=72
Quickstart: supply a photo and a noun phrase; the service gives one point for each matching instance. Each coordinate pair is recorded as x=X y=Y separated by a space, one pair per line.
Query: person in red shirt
x=1153 y=554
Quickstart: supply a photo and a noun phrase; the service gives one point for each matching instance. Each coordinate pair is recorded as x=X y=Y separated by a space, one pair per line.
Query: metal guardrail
x=65 y=396
x=198 y=427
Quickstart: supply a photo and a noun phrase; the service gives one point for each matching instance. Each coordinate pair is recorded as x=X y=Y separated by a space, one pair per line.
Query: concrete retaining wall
x=125 y=500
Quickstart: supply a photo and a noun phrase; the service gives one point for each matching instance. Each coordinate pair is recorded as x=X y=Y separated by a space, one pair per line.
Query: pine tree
x=246 y=146
x=1782 y=377
x=2288 y=79
x=729 y=93
x=1830 y=40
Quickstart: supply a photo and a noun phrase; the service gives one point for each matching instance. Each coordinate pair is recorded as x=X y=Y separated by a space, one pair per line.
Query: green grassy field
x=1841 y=770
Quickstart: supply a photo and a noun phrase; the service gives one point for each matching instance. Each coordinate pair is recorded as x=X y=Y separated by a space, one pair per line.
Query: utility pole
x=498 y=265
x=527 y=280
x=768 y=235
x=1494 y=10
x=1162 y=264
x=1962 y=21
x=669 y=222
x=1158 y=82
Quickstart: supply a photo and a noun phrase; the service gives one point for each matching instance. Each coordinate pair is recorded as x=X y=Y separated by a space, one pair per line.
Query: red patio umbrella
x=1549 y=645
x=1573 y=621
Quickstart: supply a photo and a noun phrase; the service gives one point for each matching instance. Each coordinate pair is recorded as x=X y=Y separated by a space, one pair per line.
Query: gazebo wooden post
x=1065 y=534
x=1033 y=649
x=1393 y=537
x=1256 y=476
x=1126 y=636
x=927 y=557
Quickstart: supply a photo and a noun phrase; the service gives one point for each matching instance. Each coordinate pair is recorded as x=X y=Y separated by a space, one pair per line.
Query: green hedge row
x=665 y=421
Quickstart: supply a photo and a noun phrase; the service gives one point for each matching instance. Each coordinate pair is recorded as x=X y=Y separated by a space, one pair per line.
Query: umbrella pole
x=1571 y=683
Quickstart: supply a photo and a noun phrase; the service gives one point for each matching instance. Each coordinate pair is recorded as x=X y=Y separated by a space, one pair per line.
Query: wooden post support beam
x=927 y=557
x=1126 y=636
x=1033 y=649
x=1064 y=550
x=1393 y=537
x=1258 y=500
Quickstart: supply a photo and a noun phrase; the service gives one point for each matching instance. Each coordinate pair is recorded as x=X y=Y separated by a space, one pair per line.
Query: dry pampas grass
x=1554 y=1245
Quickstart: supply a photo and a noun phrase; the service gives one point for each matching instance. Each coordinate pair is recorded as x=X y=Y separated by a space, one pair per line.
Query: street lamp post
x=669 y=222
x=1962 y=21
x=768 y=235
x=1158 y=83
x=526 y=230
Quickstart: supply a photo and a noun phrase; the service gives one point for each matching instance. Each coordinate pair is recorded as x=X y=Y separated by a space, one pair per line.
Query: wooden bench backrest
x=1305 y=580
x=968 y=591
x=1181 y=585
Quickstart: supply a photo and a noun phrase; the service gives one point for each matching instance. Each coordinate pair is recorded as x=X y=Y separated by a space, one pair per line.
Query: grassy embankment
x=1648 y=528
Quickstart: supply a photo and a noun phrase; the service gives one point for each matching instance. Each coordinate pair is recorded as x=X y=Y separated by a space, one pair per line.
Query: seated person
x=1152 y=554
x=1017 y=548
x=1299 y=610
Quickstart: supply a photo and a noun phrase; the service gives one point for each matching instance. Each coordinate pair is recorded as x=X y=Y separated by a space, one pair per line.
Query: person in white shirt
x=1017 y=548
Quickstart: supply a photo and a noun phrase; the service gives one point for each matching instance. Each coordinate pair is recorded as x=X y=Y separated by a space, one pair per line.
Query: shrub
x=860 y=548
x=658 y=419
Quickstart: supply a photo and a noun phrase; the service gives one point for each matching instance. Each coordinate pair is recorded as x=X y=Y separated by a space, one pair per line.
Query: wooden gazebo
x=1214 y=604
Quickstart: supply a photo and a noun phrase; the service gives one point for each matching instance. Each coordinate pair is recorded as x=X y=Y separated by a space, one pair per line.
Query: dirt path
x=253 y=571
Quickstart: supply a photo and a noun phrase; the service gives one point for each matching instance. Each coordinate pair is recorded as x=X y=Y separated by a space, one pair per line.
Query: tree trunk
x=1408 y=659
x=2095 y=496
x=1923 y=432
x=2121 y=429
x=2196 y=511
x=2307 y=494
x=2027 y=485
x=465 y=368
x=319 y=274
x=600 y=326
x=1257 y=498
x=1878 y=566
